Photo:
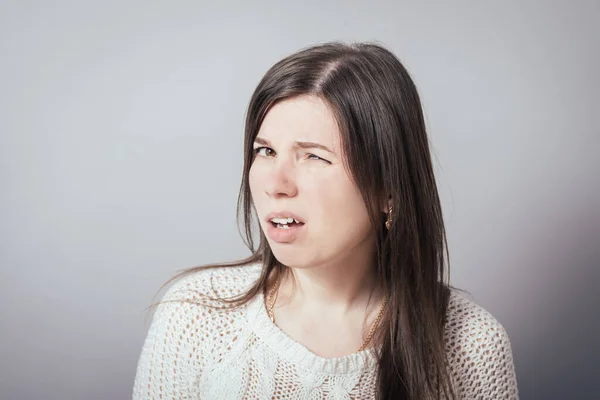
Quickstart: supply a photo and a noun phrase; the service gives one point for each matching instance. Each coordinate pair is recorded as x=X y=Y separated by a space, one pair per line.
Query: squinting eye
x=267 y=151
x=314 y=157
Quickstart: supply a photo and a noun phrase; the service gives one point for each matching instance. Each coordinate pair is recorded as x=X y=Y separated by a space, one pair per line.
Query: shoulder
x=191 y=328
x=479 y=351
x=193 y=306
x=467 y=319
x=208 y=285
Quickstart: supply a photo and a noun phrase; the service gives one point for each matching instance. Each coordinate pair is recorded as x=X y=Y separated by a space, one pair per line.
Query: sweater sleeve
x=480 y=355
x=171 y=356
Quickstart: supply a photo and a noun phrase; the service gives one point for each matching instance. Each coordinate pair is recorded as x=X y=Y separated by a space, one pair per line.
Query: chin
x=291 y=256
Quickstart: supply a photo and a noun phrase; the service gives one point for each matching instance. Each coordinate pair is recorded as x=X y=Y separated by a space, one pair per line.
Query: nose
x=281 y=180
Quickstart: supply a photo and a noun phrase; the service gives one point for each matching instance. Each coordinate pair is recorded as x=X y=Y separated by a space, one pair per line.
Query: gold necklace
x=369 y=336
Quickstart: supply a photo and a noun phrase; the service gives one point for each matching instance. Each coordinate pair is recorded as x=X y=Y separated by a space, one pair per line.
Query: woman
x=346 y=294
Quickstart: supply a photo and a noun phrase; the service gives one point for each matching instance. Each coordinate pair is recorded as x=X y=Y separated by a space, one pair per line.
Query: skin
x=331 y=298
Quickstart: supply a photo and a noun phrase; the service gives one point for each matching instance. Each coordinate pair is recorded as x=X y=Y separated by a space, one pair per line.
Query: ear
x=385 y=207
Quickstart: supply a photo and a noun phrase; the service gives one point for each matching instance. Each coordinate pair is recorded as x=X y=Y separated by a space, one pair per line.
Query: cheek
x=254 y=180
x=255 y=184
x=340 y=207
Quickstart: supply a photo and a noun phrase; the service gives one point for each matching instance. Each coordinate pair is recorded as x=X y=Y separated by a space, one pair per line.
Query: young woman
x=345 y=295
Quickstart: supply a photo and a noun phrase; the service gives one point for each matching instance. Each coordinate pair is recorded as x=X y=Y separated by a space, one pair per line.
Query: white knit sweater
x=193 y=351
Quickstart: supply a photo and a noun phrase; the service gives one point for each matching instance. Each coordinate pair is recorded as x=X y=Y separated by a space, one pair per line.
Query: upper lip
x=284 y=214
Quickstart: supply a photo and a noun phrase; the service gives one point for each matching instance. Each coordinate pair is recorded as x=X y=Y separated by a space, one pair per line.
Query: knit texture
x=194 y=351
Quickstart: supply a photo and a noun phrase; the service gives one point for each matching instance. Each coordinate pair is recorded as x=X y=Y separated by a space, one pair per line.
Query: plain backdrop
x=120 y=161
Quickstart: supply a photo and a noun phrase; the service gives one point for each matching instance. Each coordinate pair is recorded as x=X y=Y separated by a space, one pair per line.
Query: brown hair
x=379 y=113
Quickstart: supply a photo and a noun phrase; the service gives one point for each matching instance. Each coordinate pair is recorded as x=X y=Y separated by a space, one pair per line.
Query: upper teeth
x=284 y=220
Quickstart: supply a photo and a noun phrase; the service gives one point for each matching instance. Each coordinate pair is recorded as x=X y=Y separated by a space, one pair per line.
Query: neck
x=343 y=286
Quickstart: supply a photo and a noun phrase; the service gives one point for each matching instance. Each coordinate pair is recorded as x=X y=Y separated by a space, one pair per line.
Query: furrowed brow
x=302 y=145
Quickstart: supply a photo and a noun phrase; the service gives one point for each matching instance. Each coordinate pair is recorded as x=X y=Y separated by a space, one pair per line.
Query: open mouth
x=286 y=223
x=285 y=227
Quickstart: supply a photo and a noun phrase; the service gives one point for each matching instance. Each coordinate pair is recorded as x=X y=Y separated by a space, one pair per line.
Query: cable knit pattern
x=194 y=351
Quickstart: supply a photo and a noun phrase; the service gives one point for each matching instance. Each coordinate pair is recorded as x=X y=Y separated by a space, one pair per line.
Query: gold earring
x=388 y=222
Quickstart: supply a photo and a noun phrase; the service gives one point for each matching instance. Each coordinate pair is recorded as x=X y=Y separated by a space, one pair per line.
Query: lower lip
x=283 y=235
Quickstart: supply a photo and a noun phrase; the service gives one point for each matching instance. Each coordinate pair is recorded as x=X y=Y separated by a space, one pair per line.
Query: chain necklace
x=271 y=314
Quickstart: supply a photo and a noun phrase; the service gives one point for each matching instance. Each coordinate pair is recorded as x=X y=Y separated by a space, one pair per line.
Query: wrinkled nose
x=281 y=181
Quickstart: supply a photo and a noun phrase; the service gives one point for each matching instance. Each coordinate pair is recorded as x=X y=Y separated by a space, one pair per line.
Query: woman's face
x=298 y=173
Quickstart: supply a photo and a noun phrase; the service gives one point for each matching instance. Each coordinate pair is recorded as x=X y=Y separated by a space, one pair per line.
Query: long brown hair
x=379 y=113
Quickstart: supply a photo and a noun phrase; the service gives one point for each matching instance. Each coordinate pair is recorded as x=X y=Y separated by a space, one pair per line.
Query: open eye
x=264 y=151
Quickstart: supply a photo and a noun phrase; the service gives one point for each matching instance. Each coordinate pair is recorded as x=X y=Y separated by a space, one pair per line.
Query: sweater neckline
x=296 y=353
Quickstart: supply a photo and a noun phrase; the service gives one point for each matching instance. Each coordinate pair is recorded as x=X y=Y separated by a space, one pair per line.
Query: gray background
x=120 y=156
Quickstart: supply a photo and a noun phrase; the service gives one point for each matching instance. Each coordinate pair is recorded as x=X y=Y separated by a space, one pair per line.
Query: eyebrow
x=302 y=145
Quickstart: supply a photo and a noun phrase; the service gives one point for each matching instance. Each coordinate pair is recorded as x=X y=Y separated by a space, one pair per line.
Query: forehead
x=306 y=118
